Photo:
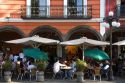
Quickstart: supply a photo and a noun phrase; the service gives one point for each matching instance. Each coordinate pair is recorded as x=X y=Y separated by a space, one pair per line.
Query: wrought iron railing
x=56 y=12
x=120 y=11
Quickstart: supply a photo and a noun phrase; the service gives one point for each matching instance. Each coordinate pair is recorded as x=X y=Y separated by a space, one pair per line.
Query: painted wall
x=95 y=7
x=64 y=27
x=14 y=6
x=56 y=3
x=110 y=5
x=11 y=6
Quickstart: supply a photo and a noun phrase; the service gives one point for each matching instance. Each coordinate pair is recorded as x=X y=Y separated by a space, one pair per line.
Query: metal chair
x=58 y=74
x=32 y=73
x=20 y=73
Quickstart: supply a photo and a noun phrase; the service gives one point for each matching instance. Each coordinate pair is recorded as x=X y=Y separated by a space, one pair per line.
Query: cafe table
x=65 y=69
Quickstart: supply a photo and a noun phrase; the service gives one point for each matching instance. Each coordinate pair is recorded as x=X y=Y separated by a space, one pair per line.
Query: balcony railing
x=56 y=12
x=120 y=9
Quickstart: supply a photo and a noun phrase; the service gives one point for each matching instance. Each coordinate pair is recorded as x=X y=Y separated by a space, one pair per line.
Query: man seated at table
x=73 y=69
x=105 y=69
x=57 y=70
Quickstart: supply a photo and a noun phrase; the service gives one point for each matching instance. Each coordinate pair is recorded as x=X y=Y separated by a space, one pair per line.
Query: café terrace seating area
x=25 y=67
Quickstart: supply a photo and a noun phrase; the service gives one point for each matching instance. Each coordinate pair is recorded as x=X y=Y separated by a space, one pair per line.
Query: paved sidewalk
x=117 y=80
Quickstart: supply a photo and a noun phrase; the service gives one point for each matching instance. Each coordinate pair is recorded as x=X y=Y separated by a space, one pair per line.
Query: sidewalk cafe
x=96 y=59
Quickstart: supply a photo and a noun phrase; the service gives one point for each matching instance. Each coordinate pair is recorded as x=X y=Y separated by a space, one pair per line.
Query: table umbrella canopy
x=119 y=43
x=84 y=40
x=35 y=53
x=96 y=54
x=34 y=39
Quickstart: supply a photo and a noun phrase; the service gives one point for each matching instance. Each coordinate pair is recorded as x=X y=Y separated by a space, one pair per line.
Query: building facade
x=117 y=6
x=59 y=19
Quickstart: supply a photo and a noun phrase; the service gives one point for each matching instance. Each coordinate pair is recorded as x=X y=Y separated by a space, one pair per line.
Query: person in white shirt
x=15 y=58
x=31 y=66
x=21 y=55
x=11 y=57
x=105 y=69
x=56 y=68
x=106 y=65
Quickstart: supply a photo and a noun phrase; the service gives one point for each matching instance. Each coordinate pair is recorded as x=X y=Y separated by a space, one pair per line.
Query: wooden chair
x=97 y=73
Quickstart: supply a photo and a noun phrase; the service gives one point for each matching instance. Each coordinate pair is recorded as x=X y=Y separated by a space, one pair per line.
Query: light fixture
x=18 y=62
x=112 y=22
x=111 y=13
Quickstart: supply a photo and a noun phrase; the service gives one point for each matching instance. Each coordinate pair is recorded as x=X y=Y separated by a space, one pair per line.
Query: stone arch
x=12 y=32
x=9 y=32
x=115 y=31
x=78 y=32
x=86 y=29
x=49 y=29
x=52 y=33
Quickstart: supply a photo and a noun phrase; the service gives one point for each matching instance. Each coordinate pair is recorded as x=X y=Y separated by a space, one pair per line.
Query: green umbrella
x=96 y=54
x=35 y=53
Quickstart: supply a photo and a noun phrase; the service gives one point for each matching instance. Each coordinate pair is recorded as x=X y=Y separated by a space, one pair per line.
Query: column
x=59 y=51
x=28 y=8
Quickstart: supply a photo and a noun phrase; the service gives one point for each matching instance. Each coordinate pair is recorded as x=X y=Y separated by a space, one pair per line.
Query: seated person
x=56 y=68
x=31 y=66
x=89 y=71
x=105 y=69
x=72 y=70
x=106 y=66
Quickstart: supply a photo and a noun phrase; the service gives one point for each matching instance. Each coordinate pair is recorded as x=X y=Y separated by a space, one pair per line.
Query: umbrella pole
x=83 y=52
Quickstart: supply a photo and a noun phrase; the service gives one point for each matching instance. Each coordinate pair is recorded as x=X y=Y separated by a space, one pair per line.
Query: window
x=122 y=8
x=39 y=8
x=76 y=7
x=79 y=7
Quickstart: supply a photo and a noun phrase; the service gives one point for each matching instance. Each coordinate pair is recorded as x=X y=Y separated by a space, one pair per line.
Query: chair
x=88 y=73
x=32 y=73
x=97 y=73
x=20 y=73
x=1 y=71
x=105 y=73
x=58 y=74
x=72 y=76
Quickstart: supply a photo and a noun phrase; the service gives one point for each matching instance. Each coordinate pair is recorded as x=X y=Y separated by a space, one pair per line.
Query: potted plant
x=80 y=65
x=41 y=65
x=7 y=65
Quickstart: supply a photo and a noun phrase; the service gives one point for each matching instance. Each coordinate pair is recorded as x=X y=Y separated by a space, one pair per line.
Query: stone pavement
x=117 y=80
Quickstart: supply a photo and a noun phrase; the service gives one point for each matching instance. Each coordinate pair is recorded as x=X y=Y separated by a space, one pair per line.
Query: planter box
x=40 y=76
x=80 y=76
x=7 y=76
